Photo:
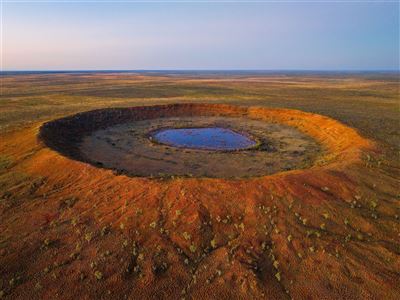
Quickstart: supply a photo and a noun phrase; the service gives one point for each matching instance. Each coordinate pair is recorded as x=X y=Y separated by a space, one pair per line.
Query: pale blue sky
x=271 y=35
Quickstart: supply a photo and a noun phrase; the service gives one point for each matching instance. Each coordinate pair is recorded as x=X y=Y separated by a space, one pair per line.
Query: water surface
x=210 y=138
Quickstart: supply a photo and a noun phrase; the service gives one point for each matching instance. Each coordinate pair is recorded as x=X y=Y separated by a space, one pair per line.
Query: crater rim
x=341 y=144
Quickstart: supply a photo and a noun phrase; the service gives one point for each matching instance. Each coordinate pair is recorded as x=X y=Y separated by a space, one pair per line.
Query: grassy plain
x=369 y=103
x=70 y=230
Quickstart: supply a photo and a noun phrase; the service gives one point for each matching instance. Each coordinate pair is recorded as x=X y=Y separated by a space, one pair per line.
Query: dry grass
x=70 y=230
x=368 y=103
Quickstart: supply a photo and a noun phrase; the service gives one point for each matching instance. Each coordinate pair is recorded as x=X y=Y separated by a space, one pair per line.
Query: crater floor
x=130 y=148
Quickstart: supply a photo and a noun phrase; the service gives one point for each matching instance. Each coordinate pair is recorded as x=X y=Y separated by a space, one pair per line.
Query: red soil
x=331 y=231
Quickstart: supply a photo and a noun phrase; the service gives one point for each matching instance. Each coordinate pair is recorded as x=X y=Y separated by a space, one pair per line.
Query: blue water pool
x=210 y=138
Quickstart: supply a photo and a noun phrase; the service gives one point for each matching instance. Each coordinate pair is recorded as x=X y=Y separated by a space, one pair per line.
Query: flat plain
x=71 y=230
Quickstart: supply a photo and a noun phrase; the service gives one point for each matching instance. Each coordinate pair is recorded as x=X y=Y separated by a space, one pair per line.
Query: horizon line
x=201 y=70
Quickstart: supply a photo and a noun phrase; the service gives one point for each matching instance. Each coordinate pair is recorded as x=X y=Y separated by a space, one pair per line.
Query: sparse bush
x=98 y=275
x=88 y=236
x=187 y=236
x=192 y=248
x=153 y=224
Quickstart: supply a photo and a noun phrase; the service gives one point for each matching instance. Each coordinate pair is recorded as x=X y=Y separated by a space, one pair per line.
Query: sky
x=162 y=35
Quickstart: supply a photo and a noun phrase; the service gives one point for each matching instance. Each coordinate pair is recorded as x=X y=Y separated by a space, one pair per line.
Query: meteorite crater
x=189 y=140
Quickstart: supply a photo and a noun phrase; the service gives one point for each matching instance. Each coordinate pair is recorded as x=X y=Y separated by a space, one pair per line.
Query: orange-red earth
x=77 y=231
